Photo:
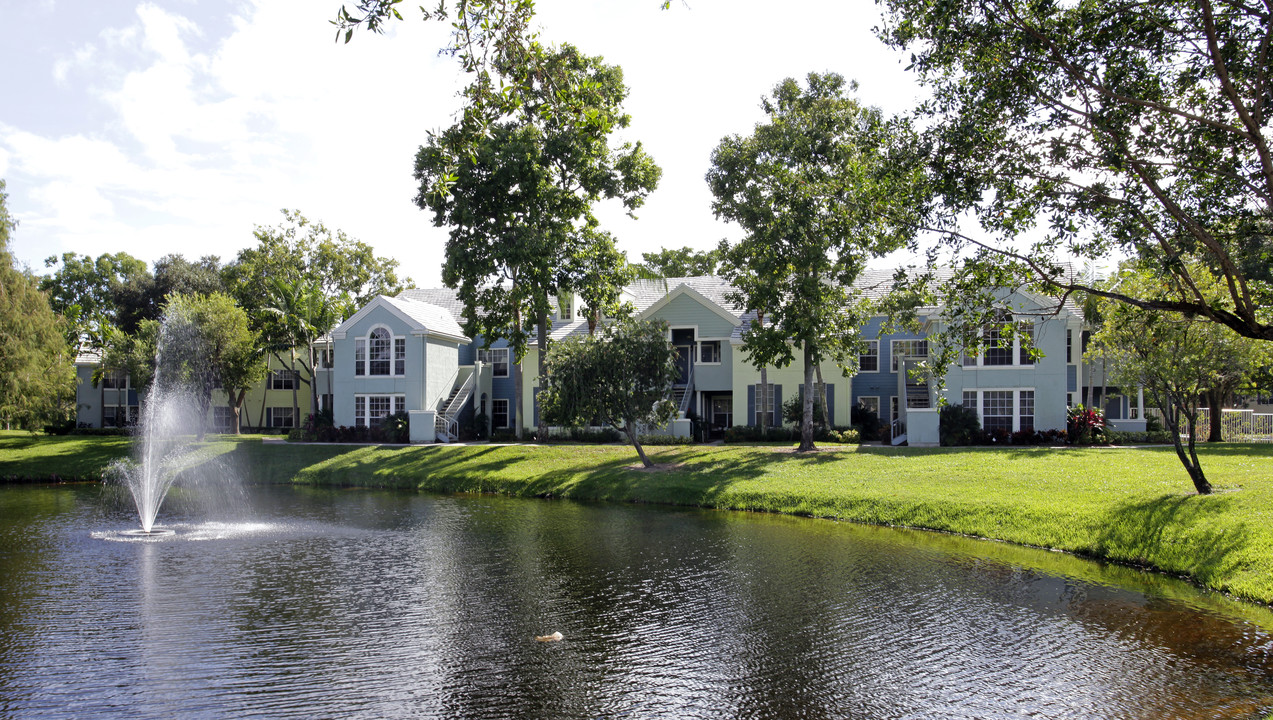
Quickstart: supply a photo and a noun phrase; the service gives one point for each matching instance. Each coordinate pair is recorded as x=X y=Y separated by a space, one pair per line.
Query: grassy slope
x=1129 y=505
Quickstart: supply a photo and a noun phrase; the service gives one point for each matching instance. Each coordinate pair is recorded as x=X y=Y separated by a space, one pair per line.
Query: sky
x=179 y=126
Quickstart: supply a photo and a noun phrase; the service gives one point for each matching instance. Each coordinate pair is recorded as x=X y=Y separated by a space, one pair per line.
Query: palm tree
x=303 y=313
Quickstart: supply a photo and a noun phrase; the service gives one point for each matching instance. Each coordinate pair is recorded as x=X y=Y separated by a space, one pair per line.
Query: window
x=325 y=358
x=223 y=418
x=566 y=313
x=378 y=352
x=281 y=417
x=869 y=360
x=114 y=380
x=765 y=404
x=870 y=402
x=1007 y=410
x=709 y=352
x=115 y=416
x=369 y=410
x=399 y=356
x=498 y=358
x=908 y=349
x=325 y=402
x=499 y=413
x=1004 y=349
x=996 y=410
x=893 y=413
x=998 y=347
x=1069 y=346
x=360 y=356
x=1025 y=418
x=282 y=380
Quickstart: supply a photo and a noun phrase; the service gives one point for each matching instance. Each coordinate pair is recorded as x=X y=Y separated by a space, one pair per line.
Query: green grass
x=1129 y=505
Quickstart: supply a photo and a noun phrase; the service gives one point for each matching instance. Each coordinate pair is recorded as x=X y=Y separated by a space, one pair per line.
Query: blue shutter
x=751 y=404
x=831 y=404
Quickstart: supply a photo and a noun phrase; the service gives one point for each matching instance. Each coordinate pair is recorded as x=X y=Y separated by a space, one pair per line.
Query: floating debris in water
x=549 y=638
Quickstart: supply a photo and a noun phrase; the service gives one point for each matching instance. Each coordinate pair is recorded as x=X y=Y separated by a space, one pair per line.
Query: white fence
x=1237 y=425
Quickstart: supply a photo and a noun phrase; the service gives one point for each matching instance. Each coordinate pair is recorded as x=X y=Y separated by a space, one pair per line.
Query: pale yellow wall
x=260 y=397
x=790 y=379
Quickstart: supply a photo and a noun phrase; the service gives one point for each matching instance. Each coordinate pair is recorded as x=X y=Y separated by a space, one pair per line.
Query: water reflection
x=340 y=603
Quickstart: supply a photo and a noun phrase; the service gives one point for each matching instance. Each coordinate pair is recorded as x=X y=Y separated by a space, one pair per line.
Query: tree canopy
x=84 y=290
x=1175 y=357
x=519 y=200
x=621 y=377
x=819 y=188
x=36 y=375
x=683 y=262
x=1100 y=129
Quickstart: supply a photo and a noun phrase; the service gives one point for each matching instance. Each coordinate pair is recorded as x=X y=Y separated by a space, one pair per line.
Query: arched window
x=380 y=353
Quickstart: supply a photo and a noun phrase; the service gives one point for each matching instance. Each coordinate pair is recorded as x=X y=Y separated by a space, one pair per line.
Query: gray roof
x=445 y=298
x=433 y=318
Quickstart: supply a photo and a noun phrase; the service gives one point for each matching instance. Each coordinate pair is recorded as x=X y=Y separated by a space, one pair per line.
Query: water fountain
x=169 y=411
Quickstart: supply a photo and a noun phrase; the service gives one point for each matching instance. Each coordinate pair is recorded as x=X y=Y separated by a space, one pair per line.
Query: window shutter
x=777 y=405
x=831 y=404
x=751 y=404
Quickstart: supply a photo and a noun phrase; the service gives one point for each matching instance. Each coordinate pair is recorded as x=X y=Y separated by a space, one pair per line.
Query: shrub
x=1085 y=425
x=479 y=426
x=299 y=435
x=1139 y=438
x=503 y=435
x=110 y=431
x=843 y=435
x=395 y=429
x=793 y=412
x=867 y=420
x=959 y=425
x=751 y=433
x=663 y=440
x=1153 y=424
x=597 y=435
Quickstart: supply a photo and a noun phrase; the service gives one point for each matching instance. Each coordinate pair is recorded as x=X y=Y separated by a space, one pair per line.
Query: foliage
x=958 y=425
x=622 y=378
x=519 y=200
x=479 y=426
x=36 y=375
x=141 y=296
x=1150 y=437
x=1092 y=130
x=753 y=434
x=345 y=271
x=819 y=188
x=664 y=440
x=683 y=262
x=866 y=420
x=206 y=344
x=586 y=435
x=793 y=411
x=84 y=291
x=1085 y=425
x=1175 y=358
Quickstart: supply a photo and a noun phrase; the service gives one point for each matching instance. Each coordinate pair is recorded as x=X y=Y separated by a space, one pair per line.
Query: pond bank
x=1131 y=506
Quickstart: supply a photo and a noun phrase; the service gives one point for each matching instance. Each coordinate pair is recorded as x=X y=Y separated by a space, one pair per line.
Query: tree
x=83 y=291
x=346 y=270
x=36 y=375
x=519 y=200
x=1100 y=129
x=302 y=314
x=141 y=296
x=1176 y=357
x=621 y=378
x=821 y=187
x=205 y=344
x=683 y=262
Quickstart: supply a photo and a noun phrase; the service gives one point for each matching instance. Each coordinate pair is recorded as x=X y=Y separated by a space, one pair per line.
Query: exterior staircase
x=446 y=425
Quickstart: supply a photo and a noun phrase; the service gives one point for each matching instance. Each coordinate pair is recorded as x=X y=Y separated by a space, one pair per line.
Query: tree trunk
x=1215 y=399
x=541 y=369
x=821 y=397
x=630 y=430
x=806 y=423
x=1174 y=410
x=238 y=410
x=296 y=403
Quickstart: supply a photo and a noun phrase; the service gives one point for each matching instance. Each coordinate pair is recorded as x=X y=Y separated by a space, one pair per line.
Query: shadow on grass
x=1177 y=533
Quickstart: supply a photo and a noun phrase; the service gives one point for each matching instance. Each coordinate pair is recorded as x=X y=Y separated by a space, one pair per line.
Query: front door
x=683 y=354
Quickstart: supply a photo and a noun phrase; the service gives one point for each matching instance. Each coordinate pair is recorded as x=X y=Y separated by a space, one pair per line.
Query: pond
x=369 y=604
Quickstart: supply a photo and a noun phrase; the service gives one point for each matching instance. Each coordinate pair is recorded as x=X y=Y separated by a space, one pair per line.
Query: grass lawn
x=1124 y=504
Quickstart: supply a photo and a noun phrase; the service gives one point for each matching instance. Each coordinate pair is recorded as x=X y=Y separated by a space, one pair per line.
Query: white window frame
x=508 y=415
x=397 y=402
x=223 y=418
x=979 y=361
x=714 y=343
x=488 y=356
x=283 y=379
x=873 y=350
x=565 y=312
x=1016 y=404
x=875 y=401
x=764 y=400
x=362 y=362
x=894 y=357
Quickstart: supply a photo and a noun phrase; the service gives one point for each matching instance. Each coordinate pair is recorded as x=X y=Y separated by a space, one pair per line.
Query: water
x=362 y=604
